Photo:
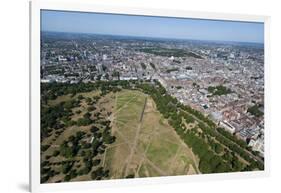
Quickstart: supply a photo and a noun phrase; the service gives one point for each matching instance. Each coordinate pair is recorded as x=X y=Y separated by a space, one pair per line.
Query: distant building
x=227 y=126
x=257 y=145
x=128 y=78
x=45 y=81
x=216 y=116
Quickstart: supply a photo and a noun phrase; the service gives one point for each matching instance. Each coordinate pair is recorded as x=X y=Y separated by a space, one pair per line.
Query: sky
x=148 y=26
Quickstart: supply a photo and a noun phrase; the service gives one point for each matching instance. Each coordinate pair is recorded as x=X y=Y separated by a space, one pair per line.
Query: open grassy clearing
x=148 y=146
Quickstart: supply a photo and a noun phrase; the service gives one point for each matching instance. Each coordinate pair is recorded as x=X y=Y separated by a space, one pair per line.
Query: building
x=227 y=126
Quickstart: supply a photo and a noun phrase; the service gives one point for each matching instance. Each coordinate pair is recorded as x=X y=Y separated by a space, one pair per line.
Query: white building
x=257 y=145
x=227 y=126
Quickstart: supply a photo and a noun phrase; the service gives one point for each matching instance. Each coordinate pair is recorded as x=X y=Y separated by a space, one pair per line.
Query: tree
x=80 y=97
x=130 y=176
x=56 y=153
x=218 y=148
x=205 y=167
x=84 y=121
x=67 y=178
x=44 y=178
x=73 y=174
x=96 y=162
x=44 y=147
x=66 y=167
x=94 y=129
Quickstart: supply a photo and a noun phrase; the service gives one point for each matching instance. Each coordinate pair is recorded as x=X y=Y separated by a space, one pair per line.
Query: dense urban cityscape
x=223 y=80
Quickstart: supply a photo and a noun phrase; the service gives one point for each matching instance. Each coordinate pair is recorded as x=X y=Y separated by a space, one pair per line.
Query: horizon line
x=167 y=38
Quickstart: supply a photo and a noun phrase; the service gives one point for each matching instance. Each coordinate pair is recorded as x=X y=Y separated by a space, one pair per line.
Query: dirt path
x=160 y=171
x=133 y=149
x=142 y=154
x=111 y=146
x=112 y=117
x=142 y=160
x=174 y=159
x=117 y=110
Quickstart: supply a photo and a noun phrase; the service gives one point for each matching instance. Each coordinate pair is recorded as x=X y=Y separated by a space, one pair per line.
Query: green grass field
x=145 y=147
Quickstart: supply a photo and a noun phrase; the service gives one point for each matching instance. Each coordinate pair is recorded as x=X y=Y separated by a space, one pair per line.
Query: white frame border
x=34 y=115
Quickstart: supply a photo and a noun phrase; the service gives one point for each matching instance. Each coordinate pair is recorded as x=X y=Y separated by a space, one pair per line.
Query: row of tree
x=169 y=106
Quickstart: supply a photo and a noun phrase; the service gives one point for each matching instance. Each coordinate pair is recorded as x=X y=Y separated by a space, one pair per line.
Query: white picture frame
x=36 y=6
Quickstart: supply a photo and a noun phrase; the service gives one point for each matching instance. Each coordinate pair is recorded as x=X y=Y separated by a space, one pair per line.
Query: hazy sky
x=162 y=27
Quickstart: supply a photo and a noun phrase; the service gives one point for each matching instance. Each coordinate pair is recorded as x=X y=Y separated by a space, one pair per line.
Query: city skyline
x=152 y=27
